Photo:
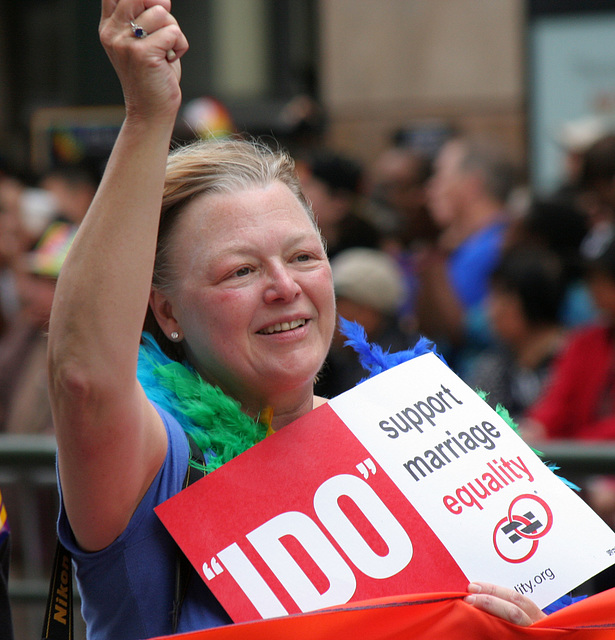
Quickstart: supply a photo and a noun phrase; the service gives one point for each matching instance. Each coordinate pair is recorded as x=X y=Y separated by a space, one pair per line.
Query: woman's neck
x=282 y=417
x=286 y=407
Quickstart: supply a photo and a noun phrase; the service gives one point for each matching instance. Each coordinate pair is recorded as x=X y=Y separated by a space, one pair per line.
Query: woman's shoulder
x=178 y=450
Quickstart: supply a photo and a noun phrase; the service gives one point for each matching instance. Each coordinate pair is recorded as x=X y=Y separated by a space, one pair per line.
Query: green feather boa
x=216 y=422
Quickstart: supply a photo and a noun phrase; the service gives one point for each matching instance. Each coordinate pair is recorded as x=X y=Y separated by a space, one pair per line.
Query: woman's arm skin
x=111 y=442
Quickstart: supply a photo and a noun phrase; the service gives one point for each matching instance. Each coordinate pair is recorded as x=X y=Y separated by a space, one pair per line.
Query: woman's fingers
x=153 y=19
x=127 y=10
x=138 y=19
x=504 y=603
x=160 y=25
x=108 y=7
x=145 y=44
x=163 y=3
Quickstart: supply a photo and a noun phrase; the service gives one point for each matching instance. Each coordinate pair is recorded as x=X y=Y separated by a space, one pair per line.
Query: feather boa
x=215 y=421
x=374 y=359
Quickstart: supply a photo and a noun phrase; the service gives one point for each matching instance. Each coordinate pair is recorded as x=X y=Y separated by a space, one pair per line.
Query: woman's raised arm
x=110 y=440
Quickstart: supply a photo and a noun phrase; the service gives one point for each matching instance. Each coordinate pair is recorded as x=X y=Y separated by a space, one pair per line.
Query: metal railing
x=27 y=464
x=26 y=453
x=580 y=458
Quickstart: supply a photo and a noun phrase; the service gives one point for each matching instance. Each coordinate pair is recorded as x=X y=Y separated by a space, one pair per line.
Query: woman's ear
x=162 y=309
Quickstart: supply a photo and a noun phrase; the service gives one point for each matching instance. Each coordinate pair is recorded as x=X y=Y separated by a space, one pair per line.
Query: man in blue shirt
x=467 y=195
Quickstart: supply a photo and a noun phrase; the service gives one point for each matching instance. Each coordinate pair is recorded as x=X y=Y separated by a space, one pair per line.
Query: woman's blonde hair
x=213 y=166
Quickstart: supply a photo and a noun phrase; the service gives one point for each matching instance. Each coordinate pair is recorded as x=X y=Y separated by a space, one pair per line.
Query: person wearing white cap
x=369 y=289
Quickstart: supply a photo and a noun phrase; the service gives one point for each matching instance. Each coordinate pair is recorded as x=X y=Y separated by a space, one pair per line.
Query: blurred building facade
x=372 y=66
x=355 y=70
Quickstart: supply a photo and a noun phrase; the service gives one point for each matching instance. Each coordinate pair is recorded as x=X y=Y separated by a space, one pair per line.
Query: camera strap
x=59 y=622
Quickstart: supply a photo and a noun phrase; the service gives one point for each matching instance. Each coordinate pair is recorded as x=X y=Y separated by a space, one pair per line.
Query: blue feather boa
x=214 y=420
x=373 y=358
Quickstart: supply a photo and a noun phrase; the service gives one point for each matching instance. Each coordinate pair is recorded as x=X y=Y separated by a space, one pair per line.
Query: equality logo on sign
x=516 y=536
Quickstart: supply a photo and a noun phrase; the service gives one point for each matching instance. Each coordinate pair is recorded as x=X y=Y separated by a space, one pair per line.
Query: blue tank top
x=127 y=589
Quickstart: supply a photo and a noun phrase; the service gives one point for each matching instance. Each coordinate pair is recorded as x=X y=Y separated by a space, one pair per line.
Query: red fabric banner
x=423 y=617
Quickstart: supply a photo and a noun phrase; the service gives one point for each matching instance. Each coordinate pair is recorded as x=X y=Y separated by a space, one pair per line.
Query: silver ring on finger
x=137 y=30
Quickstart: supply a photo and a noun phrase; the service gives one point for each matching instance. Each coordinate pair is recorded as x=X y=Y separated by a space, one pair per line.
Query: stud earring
x=174 y=335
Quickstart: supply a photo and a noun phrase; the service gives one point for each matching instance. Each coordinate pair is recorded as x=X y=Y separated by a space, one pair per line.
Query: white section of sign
x=501 y=513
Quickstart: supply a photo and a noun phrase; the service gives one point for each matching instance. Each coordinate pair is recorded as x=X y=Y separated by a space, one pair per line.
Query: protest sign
x=408 y=483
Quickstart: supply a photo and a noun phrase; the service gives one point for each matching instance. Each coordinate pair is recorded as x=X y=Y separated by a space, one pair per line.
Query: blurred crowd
x=38 y=221
x=517 y=291
x=446 y=241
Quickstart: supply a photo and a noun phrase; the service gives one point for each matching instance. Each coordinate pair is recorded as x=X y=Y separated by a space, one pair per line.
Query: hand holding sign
x=504 y=603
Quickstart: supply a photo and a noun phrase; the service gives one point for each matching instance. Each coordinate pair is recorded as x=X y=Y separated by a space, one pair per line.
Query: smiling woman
x=242 y=301
x=246 y=285
x=217 y=244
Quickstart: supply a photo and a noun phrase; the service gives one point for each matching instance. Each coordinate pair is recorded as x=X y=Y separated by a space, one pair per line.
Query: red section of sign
x=281 y=476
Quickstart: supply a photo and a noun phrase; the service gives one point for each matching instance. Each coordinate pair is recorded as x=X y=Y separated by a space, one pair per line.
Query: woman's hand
x=504 y=603
x=149 y=67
